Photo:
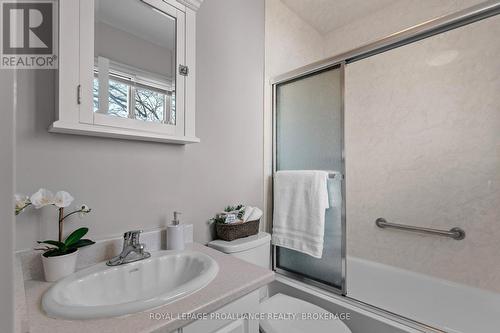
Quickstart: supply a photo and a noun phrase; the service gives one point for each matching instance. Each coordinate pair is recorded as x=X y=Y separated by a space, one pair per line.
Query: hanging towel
x=300 y=202
x=334 y=186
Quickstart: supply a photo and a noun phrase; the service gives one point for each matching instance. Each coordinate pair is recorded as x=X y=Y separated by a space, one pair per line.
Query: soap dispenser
x=175 y=234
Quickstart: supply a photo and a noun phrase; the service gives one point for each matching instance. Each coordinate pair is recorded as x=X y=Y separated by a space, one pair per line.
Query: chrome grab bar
x=455 y=233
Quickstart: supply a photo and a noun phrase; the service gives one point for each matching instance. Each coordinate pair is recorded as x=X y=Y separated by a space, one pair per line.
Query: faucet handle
x=131 y=237
x=128 y=234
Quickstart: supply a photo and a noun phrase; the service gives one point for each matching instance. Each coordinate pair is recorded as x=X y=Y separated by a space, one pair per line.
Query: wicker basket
x=229 y=232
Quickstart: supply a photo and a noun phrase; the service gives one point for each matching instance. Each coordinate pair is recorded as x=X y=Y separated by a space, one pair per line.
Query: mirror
x=135 y=61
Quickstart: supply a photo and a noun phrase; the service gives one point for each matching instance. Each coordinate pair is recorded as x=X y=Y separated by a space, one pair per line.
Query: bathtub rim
x=363 y=308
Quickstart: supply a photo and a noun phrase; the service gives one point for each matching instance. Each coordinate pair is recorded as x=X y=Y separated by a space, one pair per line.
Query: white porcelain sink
x=101 y=291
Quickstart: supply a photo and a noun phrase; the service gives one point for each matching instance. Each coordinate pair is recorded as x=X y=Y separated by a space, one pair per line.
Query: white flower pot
x=58 y=267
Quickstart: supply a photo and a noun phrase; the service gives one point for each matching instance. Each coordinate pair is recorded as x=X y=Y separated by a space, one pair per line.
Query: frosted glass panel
x=422 y=148
x=309 y=137
x=308 y=121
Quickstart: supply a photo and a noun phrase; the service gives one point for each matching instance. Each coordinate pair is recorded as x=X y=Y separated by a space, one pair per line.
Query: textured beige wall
x=423 y=148
x=289 y=43
x=400 y=15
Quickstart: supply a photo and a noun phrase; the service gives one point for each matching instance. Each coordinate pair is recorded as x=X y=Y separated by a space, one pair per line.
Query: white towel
x=300 y=202
x=248 y=212
x=255 y=214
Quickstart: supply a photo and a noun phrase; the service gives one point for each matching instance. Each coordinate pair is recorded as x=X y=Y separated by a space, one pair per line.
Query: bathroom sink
x=102 y=291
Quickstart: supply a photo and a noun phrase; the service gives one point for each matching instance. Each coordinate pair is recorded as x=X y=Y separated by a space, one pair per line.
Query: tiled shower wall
x=422 y=148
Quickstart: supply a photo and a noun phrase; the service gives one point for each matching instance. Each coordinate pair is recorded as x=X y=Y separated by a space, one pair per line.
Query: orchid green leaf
x=59 y=245
x=75 y=236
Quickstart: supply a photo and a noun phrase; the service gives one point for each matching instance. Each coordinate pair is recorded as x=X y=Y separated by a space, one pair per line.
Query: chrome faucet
x=132 y=250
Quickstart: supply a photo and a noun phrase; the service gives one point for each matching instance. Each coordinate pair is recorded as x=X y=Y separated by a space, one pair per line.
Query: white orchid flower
x=42 y=198
x=83 y=209
x=21 y=200
x=63 y=199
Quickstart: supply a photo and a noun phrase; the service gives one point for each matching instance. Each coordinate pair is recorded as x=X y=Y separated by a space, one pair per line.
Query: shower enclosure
x=418 y=116
x=309 y=136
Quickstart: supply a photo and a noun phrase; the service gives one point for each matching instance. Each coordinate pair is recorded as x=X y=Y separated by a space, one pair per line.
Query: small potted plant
x=59 y=256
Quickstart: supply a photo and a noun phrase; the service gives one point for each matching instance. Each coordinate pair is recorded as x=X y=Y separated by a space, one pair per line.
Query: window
x=136 y=98
x=118 y=99
x=150 y=105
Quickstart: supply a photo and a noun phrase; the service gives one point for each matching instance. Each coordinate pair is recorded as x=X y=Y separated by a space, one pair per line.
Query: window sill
x=118 y=133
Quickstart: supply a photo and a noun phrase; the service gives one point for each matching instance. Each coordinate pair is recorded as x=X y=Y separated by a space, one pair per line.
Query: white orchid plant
x=60 y=200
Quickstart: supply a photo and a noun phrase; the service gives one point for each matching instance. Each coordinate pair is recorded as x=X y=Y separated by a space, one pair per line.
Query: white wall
x=227 y=166
x=7 y=130
x=131 y=184
x=128 y=49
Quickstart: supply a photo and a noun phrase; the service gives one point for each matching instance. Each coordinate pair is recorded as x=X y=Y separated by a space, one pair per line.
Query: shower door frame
x=404 y=37
x=343 y=287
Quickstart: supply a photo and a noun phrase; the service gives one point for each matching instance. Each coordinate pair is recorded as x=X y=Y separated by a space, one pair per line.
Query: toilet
x=257 y=250
x=253 y=249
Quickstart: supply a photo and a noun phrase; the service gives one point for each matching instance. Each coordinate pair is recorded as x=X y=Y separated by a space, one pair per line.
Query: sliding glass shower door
x=309 y=136
x=423 y=150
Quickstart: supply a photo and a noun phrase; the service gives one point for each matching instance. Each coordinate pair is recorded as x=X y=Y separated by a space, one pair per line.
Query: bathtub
x=385 y=299
x=442 y=304
x=360 y=319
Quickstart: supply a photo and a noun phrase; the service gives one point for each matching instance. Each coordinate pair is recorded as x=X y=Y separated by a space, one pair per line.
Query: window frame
x=135 y=79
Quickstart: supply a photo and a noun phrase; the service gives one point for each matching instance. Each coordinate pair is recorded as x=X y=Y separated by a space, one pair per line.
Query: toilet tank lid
x=241 y=244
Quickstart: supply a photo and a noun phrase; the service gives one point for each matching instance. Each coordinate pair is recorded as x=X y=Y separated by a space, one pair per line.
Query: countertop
x=235 y=279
